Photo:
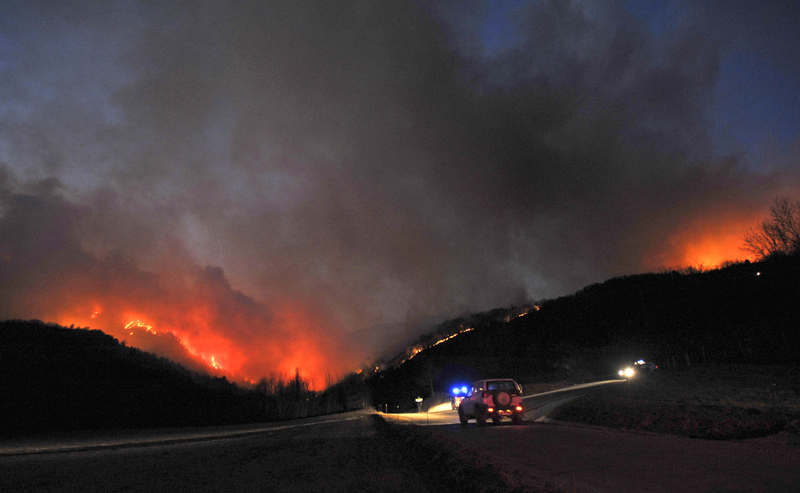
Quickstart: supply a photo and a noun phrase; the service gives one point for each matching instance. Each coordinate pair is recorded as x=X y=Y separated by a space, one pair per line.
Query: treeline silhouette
x=56 y=378
x=743 y=313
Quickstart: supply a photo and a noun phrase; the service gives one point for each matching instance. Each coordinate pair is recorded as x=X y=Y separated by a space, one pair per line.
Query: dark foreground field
x=360 y=452
x=344 y=456
x=715 y=402
x=555 y=457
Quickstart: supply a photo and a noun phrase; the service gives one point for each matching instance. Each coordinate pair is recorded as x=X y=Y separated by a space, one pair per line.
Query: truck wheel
x=461 y=417
x=482 y=417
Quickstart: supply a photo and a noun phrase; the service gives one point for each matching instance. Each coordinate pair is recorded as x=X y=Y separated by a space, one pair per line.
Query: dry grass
x=705 y=402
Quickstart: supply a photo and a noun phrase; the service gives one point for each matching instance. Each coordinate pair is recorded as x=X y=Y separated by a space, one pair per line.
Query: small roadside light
x=758 y=273
x=418 y=400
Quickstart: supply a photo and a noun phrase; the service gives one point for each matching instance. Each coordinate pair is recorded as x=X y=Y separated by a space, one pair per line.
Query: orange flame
x=138 y=324
x=291 y=340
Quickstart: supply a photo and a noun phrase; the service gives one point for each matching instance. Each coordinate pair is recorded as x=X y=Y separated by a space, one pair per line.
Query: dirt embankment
x=701 y=402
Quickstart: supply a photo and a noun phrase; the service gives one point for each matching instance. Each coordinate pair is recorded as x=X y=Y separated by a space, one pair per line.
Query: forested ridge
x=57 y=378
x=742 y=313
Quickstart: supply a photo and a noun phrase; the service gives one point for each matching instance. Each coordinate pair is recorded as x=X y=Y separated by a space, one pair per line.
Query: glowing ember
x=445 y=339
x=418 y=349
x=415 y=351
x=209 y=360
x=138 y=324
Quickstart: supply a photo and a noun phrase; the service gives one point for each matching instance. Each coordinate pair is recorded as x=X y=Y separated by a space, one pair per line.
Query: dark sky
x=327 y=168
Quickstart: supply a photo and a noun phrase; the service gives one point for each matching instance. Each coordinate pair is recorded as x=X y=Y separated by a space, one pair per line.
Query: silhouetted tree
x=780 y=234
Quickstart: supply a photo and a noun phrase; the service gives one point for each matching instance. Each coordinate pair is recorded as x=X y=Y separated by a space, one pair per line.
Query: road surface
x=537 y=406
x=96 y=440
x=339 y=453
x=545 y=455
x=348 y=453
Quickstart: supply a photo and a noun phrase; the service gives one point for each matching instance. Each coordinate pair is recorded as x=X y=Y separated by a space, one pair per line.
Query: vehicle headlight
x=629 y=372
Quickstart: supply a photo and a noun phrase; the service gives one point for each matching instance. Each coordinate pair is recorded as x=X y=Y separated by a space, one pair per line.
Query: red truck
x=495 y=398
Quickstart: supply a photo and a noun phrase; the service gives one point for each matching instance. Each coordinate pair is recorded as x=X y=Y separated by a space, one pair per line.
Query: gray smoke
x=366 y=159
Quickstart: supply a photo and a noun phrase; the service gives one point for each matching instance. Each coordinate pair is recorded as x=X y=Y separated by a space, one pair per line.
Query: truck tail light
x=491 y=409
x=519 y=409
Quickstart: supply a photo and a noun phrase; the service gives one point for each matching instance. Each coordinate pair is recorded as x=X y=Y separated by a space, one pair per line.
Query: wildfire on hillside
x=238 y=350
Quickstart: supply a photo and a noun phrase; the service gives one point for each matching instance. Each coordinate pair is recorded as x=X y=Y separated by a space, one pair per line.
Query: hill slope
x=54 y=378
x=743 y=313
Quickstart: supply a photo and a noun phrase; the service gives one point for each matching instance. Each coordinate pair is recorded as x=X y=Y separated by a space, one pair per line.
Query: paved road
x=537 y=406
x=321 y=455
x=578 y=458
x=346 y=453
x=94 y=440
x=545 y=455
x=329 y=453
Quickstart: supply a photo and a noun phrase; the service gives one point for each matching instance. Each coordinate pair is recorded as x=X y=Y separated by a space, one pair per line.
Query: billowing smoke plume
x=187 y=313
x=355 y=167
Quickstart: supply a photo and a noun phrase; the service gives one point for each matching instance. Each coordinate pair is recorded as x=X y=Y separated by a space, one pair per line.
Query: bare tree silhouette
x=780 y=234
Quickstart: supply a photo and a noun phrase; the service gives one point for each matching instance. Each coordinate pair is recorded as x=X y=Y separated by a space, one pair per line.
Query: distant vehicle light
x=459 y=390
x=519 y=408
x=491 y=409
x=640 y=362
x=621 y=373
x=629 y=372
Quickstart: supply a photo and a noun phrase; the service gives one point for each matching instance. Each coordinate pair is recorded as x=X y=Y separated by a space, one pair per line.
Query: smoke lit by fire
x=706 y=244
x=427 y=176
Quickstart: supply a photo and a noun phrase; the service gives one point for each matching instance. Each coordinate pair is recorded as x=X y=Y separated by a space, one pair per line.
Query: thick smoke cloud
x=365 y=164
x=192 y=314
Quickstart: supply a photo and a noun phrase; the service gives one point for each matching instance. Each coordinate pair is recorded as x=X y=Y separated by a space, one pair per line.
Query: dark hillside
x=54 y=378
x=743 y=313
x=746 y=313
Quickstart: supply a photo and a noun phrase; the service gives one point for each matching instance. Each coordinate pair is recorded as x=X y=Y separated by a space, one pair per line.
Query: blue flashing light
x=464 y=389
x=456 y=390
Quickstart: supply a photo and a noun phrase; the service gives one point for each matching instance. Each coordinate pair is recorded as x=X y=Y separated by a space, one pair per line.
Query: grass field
x=717 y=402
